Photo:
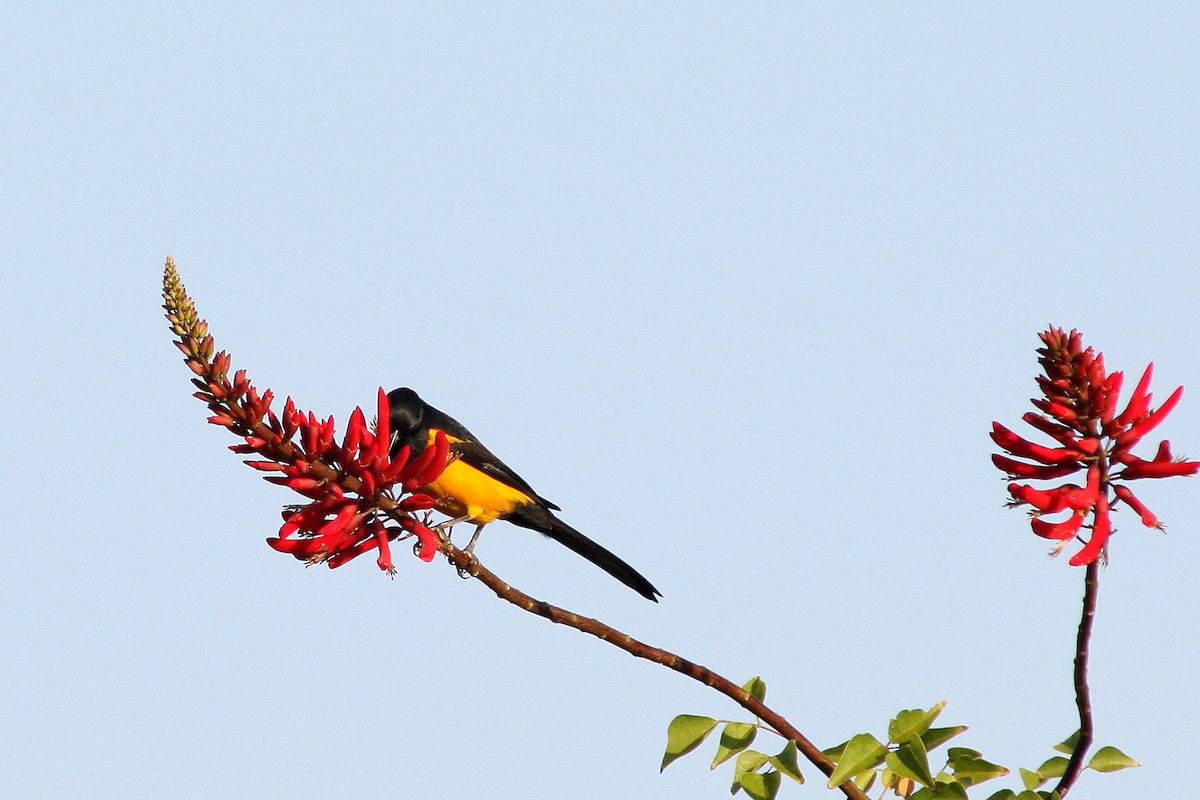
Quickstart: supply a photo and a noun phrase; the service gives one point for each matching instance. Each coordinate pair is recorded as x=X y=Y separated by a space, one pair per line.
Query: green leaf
x=943 y=790
x=1068 y=744
x=949 y=790
x=897 y=767
x=735 y=737
x=865 y=780
x=1110 y=759
x=761 y=785
x=935 y=737
x=862 y=753
x=969 y=769
x=1003 y=794
x=1054 y=767
x=912 y=722
x=757 y=687
x=684 y=734
x=910 y=761
x=747 y=761
x=1031 y=780
x=835 y=753
x=1028 y=795
x=957 y=752
x=787 y=763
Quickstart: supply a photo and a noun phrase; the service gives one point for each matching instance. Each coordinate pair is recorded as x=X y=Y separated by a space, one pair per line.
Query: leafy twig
x=624 y=641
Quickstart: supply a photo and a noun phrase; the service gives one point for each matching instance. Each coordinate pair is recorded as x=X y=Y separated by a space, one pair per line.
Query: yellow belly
x=463 y=491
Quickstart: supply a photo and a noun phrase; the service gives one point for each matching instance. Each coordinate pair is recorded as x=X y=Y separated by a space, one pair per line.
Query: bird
x=478 y=487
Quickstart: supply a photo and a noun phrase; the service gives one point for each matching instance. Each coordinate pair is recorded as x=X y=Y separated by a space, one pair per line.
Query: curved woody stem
x=471 y=566
x=239 y=407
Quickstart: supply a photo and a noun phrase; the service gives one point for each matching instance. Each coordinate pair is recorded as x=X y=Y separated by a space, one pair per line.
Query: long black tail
x=541 y=520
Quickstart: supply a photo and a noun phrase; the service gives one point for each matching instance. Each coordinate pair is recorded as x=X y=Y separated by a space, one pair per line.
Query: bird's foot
x=469 y=552
x=464 y=571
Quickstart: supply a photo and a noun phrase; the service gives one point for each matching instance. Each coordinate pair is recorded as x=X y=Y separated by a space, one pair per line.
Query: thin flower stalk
x=1079 y=412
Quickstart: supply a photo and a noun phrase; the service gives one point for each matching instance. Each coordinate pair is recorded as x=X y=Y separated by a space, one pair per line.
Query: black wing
x=413 y=418
x=473 y=453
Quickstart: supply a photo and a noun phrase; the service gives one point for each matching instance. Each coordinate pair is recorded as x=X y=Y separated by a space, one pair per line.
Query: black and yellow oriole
x=478 y=487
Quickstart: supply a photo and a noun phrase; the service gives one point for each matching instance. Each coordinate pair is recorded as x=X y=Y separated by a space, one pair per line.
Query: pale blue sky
x=741 y=288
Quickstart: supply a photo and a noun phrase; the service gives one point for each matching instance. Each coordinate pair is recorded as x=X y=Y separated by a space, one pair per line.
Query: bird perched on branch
x=477 y=487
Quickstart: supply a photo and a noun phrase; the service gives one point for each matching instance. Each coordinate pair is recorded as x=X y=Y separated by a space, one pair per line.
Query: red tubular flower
x=1067 y=529
x=1019 y=469
x=1026 y=449
x=354 y=488
x=1101 y=530
x=427 y=540
x=1148 y=517
x=1080 y=413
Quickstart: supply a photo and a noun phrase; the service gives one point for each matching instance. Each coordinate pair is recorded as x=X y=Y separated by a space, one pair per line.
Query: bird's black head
x=408 y=411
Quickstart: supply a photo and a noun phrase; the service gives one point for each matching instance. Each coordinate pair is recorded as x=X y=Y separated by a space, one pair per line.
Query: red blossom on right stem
x=1079 y=412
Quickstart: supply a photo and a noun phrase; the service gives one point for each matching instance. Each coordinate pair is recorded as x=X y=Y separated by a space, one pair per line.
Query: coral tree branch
x=471 y=566
x=239 y=408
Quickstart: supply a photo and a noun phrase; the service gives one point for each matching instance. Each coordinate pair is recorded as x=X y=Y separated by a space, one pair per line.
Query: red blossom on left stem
x=1079 y=411
x=355 y=490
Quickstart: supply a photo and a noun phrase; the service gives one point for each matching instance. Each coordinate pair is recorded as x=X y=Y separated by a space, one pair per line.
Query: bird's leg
x=470 y=550
x=442 y=528
x=470 y=553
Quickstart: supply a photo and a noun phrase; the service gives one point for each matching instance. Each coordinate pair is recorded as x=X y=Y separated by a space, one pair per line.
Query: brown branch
x=215 y=389
x=1083 y=694
x=470 y=565
x=624 y=641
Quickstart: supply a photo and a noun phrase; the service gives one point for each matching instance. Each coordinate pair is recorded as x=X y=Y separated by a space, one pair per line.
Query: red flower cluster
x=1080 y=413
x=334 y=527
x=352 y=486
